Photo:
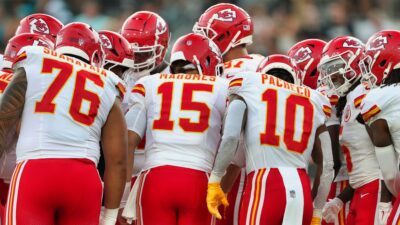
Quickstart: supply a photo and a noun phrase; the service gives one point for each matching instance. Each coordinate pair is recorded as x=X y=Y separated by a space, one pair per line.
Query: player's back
x=67 y=103
x=282 y=120
x=184 y=117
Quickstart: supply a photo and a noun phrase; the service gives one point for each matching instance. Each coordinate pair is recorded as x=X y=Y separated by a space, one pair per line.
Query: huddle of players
x=319 y=99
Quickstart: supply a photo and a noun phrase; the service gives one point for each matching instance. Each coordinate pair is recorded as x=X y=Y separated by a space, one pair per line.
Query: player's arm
x=232 y=172
x=234 y=122
x=11 y=107
x=334 y=135
x=322 y=156
x=385 y=153
x=115 y=144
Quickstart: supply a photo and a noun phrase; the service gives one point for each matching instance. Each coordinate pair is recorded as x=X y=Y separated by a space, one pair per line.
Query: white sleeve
x=136 y=119
x=230 y=139
x=327 y=171
x=388 y=162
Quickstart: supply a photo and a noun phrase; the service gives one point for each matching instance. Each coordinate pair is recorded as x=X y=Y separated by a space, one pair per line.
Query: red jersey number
x=80 y=94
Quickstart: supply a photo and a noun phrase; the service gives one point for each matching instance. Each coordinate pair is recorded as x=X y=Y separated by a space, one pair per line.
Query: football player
x=66 y=104
x=339 y=68
x=8 y=159
x=148 y=35
x=181 y=114
x=231 y=28
x=379 y=109
x=277 y=154
x=286 y=69
x=307 y=54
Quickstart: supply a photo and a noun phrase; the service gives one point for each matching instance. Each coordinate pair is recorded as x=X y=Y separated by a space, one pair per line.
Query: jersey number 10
x=269 y=136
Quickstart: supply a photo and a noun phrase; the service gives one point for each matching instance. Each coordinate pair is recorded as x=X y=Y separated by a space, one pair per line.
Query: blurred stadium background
x=278 y=23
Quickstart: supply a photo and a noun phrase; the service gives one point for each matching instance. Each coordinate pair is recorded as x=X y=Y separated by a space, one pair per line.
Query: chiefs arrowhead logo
x=352 y=43
x=377 y=43
x=39 y=42
x=106 y=41
x=161 y=27
x=39 y=26
x=303 y=54
x=226 y=15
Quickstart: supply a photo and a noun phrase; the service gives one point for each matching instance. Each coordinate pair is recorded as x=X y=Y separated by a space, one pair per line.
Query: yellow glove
x=316 y=219
x=215 y=197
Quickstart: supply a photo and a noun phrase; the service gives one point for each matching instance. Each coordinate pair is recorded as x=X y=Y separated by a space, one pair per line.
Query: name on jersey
x=75 y=62
x=188 y=77
x=271 y=80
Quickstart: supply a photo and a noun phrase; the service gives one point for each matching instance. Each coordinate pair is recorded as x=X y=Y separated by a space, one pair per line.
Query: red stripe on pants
x=274 y=201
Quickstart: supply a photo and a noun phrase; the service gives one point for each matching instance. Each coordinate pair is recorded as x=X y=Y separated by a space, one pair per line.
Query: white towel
x=129 y=212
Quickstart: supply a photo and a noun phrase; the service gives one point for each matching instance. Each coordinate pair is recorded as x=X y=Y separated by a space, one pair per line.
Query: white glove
x=331 y=210
x=384 y=209
x=109 y=217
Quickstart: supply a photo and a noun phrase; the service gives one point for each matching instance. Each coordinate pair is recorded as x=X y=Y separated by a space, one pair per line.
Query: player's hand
x=215 y=197
x=384 y=209
x=331 y=210
x=316 y=219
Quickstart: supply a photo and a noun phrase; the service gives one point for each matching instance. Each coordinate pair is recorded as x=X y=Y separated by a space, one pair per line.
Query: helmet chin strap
x=198 y=65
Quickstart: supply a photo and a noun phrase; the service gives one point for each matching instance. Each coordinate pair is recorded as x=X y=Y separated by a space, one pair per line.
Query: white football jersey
x=8 y=159
x=357 y=146
x=282 y=120
x=1 y=61
x=184 y=117
x=384 y=103
x=243 y=64
x=66 y=105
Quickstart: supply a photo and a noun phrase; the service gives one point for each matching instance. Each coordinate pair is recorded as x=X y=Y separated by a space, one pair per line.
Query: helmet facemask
x=337 y=73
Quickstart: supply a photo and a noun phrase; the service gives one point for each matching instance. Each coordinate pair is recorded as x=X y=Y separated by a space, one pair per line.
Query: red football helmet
x=227 y=25
x=16 y=43
x=148 y=35
x=279 y=61
x=39 y=23
x=382 y=55
x=81 y=40
x=339 y=64
x=117 y=49
x=200 y=51
x=306 y=54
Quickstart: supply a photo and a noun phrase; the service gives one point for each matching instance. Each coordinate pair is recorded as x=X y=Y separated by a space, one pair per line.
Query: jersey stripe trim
x=358 y=100
x=139 y=88
x=236 y=82
x=20 y=57
x=121 y=89
x=373 y=111
x=327 y=110
x=333 y=99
